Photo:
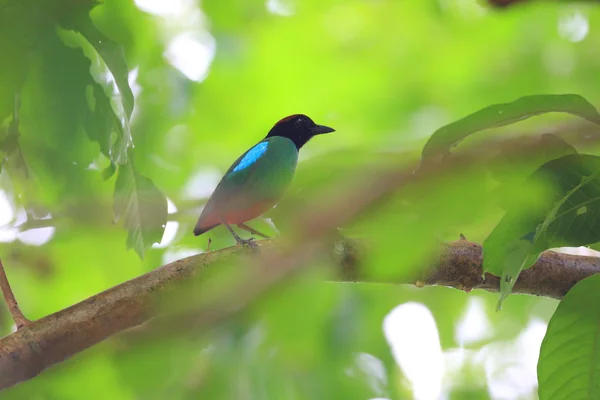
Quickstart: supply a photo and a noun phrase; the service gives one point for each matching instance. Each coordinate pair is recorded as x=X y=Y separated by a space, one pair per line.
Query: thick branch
x=553 y=275
x=52 y=339
x=56 y=337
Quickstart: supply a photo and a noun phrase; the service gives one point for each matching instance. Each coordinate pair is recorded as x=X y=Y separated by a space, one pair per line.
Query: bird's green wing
x=261 y=173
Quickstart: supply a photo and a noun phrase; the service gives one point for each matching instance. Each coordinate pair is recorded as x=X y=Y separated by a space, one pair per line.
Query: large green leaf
x=101 y=122
x=565 y=215
x=113 y=55
x=569 y=363
x=498 y=115
x=143 y=207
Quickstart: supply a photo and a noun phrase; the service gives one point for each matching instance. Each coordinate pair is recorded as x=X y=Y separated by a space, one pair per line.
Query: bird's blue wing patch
x=251 y=156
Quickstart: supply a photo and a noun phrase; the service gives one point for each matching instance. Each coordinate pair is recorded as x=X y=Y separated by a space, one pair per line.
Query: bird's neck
x=299 y=140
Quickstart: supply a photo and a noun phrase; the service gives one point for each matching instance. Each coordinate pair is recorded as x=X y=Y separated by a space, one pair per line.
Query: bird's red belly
x=247 y=214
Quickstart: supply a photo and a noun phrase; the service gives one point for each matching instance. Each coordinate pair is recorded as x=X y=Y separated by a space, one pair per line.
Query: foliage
x=568 y=365
x=102 y=121
x=505 y=114
x=566 y=216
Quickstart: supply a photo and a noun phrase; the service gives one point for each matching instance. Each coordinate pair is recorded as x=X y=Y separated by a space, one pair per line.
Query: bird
x=256 y=181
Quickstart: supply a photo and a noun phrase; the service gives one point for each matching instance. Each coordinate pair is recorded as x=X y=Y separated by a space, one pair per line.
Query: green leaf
x=566 y=215
x=100 y=120
x=101 y=123
x=113 y=55
x=11 y=153
x=569 y=363
x=143 y=207
x=109 y=171
x=442 y=140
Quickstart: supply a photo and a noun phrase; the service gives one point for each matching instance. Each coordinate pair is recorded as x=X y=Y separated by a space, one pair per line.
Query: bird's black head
x=298 y=128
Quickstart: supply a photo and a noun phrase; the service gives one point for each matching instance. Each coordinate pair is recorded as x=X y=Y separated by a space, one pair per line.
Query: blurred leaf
x=569 y=363
x=509 y=162
x=160 y=372
x=442 y=140
x=51 y=124
x=109 y=171
x=10 y=149
x=567 y=216
x=23 y=24
x=20 y=24
x=517 y=161
x=143 y=206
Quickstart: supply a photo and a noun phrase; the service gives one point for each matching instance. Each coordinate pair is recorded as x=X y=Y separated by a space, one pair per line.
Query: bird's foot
x=248 y=243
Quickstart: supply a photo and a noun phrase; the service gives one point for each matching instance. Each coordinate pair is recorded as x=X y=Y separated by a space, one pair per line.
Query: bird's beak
x=320 y=129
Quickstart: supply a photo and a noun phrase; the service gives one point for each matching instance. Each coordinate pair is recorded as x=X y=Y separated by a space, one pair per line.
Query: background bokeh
x=209 y=79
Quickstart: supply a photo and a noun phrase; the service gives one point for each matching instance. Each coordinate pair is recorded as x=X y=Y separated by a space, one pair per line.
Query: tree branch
x=52 y=339
x=553 y=275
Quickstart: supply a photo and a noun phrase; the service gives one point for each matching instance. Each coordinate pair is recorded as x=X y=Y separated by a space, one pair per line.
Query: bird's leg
x=239 y=240
x=252 y=230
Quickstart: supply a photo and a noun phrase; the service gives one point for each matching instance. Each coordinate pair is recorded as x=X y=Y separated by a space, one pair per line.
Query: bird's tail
x=199 y=230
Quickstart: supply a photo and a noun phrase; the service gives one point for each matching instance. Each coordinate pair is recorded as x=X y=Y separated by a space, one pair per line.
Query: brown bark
x=553 y=275
x=52 y=339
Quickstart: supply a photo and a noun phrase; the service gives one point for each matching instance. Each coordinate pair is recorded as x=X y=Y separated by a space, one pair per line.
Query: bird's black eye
x=303 y=122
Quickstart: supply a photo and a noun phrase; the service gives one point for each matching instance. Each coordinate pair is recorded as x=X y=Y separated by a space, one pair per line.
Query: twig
x=11 y=301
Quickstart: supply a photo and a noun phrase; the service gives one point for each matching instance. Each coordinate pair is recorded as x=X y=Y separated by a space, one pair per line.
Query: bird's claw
x=248 y=242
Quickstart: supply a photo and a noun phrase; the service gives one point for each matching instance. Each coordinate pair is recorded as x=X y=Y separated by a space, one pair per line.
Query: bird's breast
x=238 y=216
